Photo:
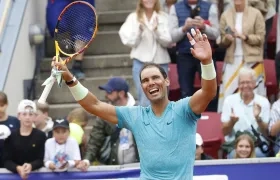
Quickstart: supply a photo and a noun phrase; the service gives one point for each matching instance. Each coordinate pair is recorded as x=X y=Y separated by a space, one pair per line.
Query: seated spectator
x=199 y=153
x=10 y=121
x=244 y=43
x=244 y=111
x=146 y=29
x=108 y=144
x=42 y=121
x=78 y=119
x=244 y=146
x=24 y=148
x=61 y=152
x=274 y=124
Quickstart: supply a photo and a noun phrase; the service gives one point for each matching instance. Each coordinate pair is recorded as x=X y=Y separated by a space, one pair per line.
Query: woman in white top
x=242 y=34
x=146 y=32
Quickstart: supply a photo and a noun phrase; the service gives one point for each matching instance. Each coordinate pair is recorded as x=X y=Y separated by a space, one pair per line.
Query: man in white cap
x=199 y=153
x=24 y=148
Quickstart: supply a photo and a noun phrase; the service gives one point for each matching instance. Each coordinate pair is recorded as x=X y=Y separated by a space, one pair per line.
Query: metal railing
x=5 y=6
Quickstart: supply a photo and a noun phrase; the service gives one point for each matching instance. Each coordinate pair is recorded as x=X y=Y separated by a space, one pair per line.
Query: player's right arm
x=88 y=100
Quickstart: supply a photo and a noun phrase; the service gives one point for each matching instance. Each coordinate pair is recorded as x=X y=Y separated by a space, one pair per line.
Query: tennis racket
x=75 y=29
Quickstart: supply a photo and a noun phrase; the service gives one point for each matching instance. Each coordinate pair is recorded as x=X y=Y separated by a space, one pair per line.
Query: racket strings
x=75 y=28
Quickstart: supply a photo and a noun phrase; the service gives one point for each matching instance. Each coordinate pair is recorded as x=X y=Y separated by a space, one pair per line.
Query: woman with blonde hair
x=242 y=30
x=146 y=32
x=244 y=147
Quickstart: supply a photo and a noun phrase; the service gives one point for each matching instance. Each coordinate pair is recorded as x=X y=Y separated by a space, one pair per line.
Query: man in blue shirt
x=164 y=131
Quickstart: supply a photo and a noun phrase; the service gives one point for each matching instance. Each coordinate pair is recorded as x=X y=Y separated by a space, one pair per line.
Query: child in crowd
x=78 y=119
x=10 y=121
x=61 y=152
x=24 y=149
x=42 y=121
x=244 y=147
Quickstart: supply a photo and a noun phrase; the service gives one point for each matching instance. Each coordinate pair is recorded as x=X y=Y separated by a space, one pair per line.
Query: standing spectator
x=10 y=121
x=109 y=144
x=172 y=50
x=267 y=8
x=61 y=152
x=274 y=124
x=24 y=148
x=244 y=39
x=146 y=30
x=166 y=4
x=183 y=16
x=54 y=8
x=42 y=120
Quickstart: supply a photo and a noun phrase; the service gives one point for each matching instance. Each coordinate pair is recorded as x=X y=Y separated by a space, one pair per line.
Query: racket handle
x=46 y=92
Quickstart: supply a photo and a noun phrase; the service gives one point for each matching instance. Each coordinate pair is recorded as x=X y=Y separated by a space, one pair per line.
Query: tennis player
x=165 y=131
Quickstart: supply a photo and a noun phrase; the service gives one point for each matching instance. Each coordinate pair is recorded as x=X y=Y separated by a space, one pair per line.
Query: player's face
x=243 y=149
x=153 y=84
x=149 y=4
x=60 y=135
x=27 y=117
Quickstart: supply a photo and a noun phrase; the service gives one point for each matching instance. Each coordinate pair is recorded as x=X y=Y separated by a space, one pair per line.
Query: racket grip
x=45 y=93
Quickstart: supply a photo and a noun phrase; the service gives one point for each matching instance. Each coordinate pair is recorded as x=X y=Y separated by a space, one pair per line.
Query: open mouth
x=154 y=91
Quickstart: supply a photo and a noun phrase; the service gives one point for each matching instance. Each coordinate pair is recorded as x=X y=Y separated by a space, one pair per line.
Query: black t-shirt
x=20 y=149
x=13 y=124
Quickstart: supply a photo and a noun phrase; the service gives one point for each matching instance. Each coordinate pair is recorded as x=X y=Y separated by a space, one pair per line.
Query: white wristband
x=208 y=71
x=78 y=91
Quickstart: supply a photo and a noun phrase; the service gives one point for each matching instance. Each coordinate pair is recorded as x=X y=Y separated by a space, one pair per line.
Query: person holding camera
x=242 y=30
x=246 y=111
x=183 y=16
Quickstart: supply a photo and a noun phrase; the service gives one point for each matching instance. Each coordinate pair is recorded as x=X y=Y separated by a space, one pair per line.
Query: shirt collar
x=251 y=103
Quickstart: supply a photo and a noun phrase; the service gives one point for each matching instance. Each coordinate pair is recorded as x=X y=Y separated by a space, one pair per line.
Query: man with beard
x=108 y=144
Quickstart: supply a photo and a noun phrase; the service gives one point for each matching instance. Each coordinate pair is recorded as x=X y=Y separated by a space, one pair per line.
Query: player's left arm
x=203 y=52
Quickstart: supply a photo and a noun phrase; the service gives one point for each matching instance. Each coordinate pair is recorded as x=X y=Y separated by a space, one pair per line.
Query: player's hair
x=3 y=97
x=150 y=65
x=140 y=9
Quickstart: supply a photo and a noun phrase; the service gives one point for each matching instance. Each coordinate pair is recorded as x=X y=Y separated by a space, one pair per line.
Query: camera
x=229 y=31
x=259 y=143
x=195 y=12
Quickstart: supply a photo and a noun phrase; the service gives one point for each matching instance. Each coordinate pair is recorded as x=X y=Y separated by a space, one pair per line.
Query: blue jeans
x=187 y=66
x=136 y=68
x=259 y=153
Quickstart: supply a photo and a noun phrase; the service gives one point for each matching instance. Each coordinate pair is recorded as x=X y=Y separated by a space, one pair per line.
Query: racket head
x=76 y=28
